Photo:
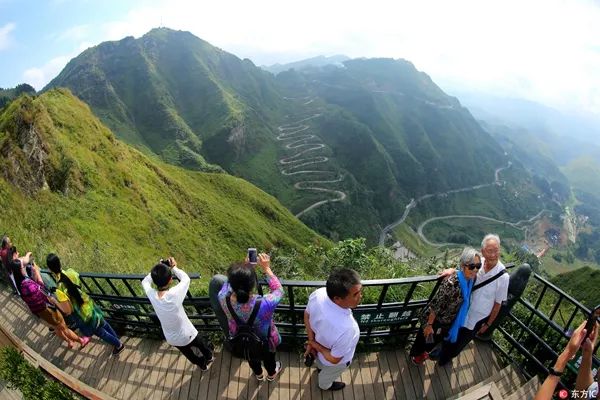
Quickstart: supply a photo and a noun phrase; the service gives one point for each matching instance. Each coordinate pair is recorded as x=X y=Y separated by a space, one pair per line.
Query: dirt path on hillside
x=413 y=203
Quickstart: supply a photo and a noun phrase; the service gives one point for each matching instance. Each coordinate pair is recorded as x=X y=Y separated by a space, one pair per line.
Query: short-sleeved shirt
x=335 y=327
x=483 y=299
x=263 y=324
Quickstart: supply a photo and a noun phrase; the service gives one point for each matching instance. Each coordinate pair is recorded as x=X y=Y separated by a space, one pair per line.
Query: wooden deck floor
x=150 y=369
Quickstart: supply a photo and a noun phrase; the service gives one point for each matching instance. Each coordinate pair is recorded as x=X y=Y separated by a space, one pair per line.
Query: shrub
x=32 y=383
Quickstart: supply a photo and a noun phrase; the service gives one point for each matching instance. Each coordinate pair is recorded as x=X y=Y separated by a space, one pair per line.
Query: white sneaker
x=278 y=369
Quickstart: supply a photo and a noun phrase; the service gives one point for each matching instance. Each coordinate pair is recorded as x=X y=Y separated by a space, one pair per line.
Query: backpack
x=246 y=343
x=33 y=296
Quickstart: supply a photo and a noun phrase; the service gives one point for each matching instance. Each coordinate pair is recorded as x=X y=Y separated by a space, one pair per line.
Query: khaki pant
x=329 y=373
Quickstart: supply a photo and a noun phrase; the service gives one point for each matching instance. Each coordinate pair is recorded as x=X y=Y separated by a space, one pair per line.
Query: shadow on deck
x=150 y=369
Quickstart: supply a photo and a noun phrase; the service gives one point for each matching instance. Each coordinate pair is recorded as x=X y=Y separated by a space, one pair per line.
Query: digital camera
x=166 y=261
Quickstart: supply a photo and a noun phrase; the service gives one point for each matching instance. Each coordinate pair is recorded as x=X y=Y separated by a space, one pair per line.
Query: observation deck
x=520 y=350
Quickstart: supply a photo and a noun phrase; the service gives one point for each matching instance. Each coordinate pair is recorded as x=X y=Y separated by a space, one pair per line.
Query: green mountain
x=581 y=284
x=344 y=148
x=318 y=61
x=171 y=92
x=8 y=95
x=68 y=185
x=584 y=174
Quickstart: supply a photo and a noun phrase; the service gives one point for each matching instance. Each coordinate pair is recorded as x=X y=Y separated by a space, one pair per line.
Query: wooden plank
x=431 y=382
x=413 y=389
x=285 y=378
x=204 y=384
x=372 y=365
x=348 y=391
x=215 y=372
x=479 y=374
x=465 y=374
x=232 y=390
x=170 y=374
x=442 y=383
x=304 y=378
x=91 y=363
x=130 y=358
x=159 y=375
x=401 y=390
x=109 y=382
x=148 y=374
x=484 y=366
x=245 y=378
x=418 y=378
x=356 y=380
x=142 y=370
x=224 y=374
x=386 y=375
x=180 y=367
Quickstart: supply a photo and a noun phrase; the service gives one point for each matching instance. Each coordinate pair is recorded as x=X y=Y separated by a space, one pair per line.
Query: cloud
x=5 y=38
x=75 y=33
x=38 y=77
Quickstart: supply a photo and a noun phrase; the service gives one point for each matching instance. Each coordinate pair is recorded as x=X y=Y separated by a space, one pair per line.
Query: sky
x=545 y=51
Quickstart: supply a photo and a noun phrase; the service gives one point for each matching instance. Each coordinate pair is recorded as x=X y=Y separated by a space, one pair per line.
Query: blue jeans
x=107 y=333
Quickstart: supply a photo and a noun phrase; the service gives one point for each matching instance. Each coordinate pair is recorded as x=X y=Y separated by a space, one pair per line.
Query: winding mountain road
x=299 y=139
x=413 y=203
x=516 y=225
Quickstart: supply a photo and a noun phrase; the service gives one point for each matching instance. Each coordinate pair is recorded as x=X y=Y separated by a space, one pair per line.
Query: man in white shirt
x=332 y=330
x=485 y=301
x=168 y=305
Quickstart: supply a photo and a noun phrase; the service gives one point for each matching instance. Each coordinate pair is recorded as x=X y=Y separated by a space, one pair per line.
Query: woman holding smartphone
x=238 y=295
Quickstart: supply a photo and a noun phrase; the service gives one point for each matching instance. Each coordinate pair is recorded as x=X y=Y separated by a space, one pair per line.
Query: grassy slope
x=583 y=174
x=124 y=210
x=581 y=284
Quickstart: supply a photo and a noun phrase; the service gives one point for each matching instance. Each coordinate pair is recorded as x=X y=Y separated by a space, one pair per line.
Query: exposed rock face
x=26 y=157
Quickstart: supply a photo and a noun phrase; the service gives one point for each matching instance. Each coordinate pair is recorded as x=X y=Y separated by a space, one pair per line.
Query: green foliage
x=8 y=95
x=582 y=284
x=109 y=208
x=30 y=381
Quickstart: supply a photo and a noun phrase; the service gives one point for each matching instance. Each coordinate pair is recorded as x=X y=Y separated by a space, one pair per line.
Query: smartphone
x=589 y=326
x=252 y=255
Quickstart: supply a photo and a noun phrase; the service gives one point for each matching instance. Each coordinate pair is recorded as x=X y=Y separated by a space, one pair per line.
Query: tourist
x=447 y=311
x=5 y=257
x=168 y=304
x=43 y=305
x=78 y=304
x=488 y=294
x=238 y=299
x=331 y=328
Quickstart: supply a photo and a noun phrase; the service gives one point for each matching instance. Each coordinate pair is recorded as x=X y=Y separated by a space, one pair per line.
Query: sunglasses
x=473 y=266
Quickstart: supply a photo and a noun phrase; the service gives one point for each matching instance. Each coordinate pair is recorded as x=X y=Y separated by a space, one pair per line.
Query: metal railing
x=394 y=314
x=532 y=335
x=538 y=328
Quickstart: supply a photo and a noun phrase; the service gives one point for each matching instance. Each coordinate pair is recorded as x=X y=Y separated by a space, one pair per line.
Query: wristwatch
x=552 y=371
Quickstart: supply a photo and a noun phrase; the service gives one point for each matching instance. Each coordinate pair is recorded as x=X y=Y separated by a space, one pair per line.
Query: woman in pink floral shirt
x=240 y=287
